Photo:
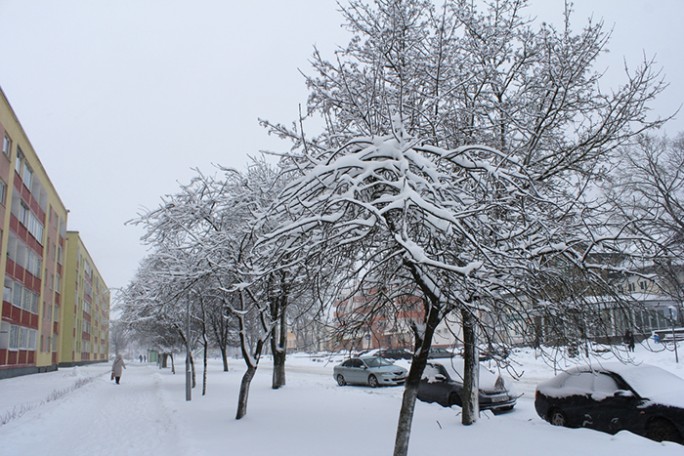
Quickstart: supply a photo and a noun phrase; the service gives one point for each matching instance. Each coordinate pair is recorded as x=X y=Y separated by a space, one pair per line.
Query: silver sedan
x=372 y=370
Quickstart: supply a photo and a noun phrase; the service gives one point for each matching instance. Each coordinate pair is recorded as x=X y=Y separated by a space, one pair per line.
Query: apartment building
x=360 y=324
x=33 y=253
x=85 y=316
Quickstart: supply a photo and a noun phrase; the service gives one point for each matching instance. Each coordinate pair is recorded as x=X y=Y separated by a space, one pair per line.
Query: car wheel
x=661 y=429
x=340 y=380
x=454 y=399
x=373 y=381
x=558 y=418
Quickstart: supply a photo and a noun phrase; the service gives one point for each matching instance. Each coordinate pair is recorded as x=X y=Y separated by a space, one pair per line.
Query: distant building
x=650 y=299
x=33 y=252
x=360 y=325
x=85 y=315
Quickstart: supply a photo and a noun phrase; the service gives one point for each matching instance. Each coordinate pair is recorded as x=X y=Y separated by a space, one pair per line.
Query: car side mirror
x=624 y=394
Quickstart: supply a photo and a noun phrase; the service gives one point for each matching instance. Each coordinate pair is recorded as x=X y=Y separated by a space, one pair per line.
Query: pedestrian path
x=99 y=417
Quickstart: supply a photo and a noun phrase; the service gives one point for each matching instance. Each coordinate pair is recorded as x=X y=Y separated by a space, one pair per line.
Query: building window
x=18 y=164
x=17 y=298
x=23 y=338
x=35 y=227
x=24 y=214
x=6 y=145
x=4 y=334
x=27 y=177
x=7 y=293
x=14 y=338
x=32 y=337
x=27 y=218
x=3 y=192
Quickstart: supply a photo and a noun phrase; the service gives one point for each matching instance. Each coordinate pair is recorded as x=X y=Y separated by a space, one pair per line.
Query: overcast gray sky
x=121 y=99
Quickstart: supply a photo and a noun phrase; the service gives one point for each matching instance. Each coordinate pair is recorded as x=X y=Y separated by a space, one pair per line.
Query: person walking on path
x=629 y=340
x=118 y=367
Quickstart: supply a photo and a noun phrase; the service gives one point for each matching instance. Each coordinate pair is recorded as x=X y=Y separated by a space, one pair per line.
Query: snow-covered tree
x=392 y=181
x=154 y=304
x=209 y=227
x=462 y=229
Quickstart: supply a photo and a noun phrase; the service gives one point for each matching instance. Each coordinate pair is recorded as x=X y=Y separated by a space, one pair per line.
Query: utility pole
x=188 y=373
x=674 y=335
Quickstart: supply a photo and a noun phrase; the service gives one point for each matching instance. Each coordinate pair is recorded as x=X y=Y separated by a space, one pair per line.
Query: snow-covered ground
x=79 y=411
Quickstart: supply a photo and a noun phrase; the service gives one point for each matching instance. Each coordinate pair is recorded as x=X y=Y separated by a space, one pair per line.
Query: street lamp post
x=674 y=335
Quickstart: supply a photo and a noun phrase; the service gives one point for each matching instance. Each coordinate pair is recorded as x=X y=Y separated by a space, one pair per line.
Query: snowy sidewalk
x=99 y=418
x=19 y=395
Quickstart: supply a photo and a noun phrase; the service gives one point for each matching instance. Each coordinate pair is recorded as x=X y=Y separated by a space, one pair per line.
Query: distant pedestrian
x=117 y=368
x=629 y=340
x=140 y=358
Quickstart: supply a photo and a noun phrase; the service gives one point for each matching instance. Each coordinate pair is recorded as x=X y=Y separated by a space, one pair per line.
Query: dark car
x=443 y=383
x=369 y=370
x=646 y=400
x=440 y=352
x=394 y=353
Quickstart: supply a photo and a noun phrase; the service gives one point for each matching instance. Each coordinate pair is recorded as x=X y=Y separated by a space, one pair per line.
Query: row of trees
x=466 y=164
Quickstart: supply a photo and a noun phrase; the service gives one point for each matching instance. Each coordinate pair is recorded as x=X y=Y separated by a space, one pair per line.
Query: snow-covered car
x=369 y=370
x=395 y=353
x=645 y=400
x=443 y=383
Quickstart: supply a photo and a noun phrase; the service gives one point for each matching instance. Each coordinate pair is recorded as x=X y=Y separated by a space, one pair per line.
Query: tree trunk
x=244 y=392
x=279 y=333
x=194 y=374
x=470 y=398
x=422 y=345
x=408 y=402
x=224 y=357
x=205 y=347
x=252 y=365
x=278 y=342
x=173 y=364
x=278 y=369
x=206 y=362
x=538 y=332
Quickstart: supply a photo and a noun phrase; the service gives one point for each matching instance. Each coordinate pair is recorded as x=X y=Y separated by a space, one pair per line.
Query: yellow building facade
x=85 y=316
x=33 y=257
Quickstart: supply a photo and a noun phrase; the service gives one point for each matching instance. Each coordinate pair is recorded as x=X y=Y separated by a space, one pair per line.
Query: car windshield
x=655 y=383
x=455 y=368
x=377 y=362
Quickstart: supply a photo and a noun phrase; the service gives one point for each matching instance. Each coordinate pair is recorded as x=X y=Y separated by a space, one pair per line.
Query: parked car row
x=612 y=397
x=441 y=382
x=403 y=353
